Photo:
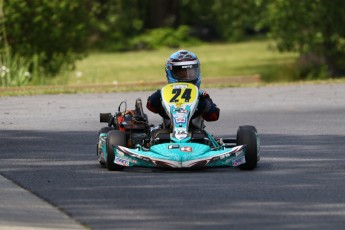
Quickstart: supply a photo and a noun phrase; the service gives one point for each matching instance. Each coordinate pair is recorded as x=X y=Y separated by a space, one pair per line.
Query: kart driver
x=176 y=71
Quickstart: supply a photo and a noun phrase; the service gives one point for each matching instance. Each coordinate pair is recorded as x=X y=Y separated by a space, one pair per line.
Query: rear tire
x=248 y=127
x=115 y=137
x=247 y=135
x=105 y=130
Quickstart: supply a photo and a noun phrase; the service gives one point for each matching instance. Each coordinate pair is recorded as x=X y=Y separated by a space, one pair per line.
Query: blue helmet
x=183 y=66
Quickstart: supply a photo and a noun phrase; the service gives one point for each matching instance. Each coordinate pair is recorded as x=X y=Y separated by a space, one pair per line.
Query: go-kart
x=179 y=142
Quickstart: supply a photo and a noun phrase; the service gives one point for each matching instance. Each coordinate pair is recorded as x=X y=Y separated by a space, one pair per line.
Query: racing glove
x=203 y=94
x=206 y=108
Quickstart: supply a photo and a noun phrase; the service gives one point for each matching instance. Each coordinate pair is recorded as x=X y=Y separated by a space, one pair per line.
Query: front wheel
x=247 y=135
x=115 y=137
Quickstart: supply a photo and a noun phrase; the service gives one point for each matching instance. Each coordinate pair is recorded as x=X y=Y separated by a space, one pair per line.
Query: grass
x=217 y=61
x=222 y=65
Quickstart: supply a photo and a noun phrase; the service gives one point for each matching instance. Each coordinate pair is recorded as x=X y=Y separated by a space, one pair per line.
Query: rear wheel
x=105 y=130
x=247 y=135
x=115 y=137
x=248 y=127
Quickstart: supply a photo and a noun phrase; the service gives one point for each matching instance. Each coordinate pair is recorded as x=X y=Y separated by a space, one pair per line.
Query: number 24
x=177 y=92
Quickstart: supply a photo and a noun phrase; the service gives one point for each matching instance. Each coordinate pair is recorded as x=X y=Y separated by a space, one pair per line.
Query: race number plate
x=179 y=94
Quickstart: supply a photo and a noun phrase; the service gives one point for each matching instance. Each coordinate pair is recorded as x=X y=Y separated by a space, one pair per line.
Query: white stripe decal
x=185 y=63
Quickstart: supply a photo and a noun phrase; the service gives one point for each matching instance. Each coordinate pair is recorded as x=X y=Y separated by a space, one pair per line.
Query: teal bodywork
x=177 y=155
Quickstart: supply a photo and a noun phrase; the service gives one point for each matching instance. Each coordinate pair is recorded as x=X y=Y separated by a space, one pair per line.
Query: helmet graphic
x=183 y=66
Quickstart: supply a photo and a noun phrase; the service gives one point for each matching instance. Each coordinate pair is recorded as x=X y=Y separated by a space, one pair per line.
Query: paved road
x=48 y=144
x=22 y=210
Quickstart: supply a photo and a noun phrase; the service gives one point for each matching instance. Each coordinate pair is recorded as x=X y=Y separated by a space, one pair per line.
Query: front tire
x=115 y=137
x=247 y=135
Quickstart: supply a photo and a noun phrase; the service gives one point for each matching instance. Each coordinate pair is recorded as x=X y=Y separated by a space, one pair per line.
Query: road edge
x=21 y=209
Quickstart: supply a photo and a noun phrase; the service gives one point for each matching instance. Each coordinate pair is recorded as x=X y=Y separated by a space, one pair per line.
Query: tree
x=315 y=29
x=52 y=33
x=237 y=19
x=115 y=22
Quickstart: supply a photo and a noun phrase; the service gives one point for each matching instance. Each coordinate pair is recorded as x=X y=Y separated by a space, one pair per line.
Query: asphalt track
x=48 y=144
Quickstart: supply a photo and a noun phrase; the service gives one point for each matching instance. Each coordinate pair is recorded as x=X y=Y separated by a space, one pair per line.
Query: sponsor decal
x=238 y=161
x=180 y=86
x=187 y=66
x=186 y=149
x=121 y=161
x=180 y=120
x=180 y=111
x=173 y=146
x=180 y=134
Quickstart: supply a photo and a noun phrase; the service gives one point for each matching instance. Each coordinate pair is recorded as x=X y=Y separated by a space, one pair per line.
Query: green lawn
x=217 y=61
x=222 y=65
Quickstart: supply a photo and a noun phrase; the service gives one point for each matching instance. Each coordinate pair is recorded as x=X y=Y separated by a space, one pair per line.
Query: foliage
x=48 y=36
x=164 y=37
x=222 y=19
x=14 y=71
x=52 y=30
x=315 y=29
x=115 y=22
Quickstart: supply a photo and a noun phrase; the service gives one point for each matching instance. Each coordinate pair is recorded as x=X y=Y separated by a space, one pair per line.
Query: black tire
x=115 y=137
x=248 y=127
x=246 y=135
x=105 y=130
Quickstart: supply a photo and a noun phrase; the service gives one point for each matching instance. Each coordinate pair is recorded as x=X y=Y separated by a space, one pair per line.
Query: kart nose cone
x=181 y=155
x=180 y=151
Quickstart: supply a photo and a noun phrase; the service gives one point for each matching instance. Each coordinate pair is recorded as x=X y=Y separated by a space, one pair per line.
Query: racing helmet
x=183 y=66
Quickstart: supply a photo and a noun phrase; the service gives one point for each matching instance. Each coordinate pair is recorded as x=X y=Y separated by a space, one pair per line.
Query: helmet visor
x=185 y=71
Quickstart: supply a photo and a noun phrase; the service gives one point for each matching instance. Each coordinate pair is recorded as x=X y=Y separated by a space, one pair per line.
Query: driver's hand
x=203 y=93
